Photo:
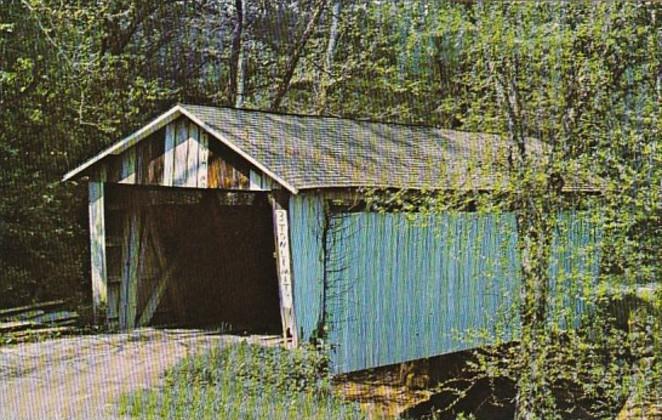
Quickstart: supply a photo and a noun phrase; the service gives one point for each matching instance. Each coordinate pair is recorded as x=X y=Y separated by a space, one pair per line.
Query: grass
x=244 y=381
x=39 y=335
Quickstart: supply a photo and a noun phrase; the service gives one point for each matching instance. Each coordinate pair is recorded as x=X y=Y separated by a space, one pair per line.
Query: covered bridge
x=258 y=221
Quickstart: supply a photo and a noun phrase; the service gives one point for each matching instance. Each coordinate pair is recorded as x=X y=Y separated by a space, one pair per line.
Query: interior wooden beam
x=131 y=260
x=152 y=304
x=156 y=296
x=125 y=197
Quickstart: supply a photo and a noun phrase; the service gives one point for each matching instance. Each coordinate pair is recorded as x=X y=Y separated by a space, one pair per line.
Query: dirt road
x=82 y=377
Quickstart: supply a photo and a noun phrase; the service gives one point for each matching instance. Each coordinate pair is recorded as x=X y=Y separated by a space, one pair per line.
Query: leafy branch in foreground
x=569 y=87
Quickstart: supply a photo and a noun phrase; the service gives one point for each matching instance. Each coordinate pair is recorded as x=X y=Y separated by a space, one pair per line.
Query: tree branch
x=295 y=55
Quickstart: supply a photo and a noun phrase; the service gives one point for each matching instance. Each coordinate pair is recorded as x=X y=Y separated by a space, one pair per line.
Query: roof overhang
x=160 y=122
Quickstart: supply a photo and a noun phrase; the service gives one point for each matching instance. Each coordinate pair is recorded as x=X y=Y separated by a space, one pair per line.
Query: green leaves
x=581 y=77
x=245 y=381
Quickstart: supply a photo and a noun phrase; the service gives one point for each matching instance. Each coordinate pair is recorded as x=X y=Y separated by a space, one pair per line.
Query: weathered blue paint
x=306 y=213
x=400 y=288
x=574 y=268
x=404 y=289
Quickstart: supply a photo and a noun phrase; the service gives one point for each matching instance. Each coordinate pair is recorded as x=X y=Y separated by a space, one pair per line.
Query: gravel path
x=82 y=377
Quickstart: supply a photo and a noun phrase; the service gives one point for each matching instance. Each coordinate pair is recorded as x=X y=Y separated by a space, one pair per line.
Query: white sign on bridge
x=284 y=270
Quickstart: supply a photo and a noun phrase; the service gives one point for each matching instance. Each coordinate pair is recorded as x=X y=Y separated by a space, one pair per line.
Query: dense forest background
x=75 y=76
x=584 y=77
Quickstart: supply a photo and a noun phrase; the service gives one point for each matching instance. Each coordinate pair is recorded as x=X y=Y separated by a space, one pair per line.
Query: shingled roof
x=306 y=152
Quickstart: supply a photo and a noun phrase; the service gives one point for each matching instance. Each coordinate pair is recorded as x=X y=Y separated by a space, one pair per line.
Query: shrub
x=244 y=381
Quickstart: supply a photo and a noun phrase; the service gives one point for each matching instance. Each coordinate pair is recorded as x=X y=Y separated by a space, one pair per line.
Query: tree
x=326 y=72
x=295 y=54
x=237 y=67
x=575 y=76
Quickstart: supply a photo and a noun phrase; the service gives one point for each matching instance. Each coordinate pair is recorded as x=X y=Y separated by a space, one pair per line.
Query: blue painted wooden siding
x=400 y=289
x=403 y=290
x=574 y=268
x=306 y=213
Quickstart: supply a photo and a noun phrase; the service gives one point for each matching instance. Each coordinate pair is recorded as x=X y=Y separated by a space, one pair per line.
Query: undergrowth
x=244 y=381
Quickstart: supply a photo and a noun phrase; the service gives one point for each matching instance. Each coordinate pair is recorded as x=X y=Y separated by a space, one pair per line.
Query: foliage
x=574 y=89
x=582 y=78
x=61 y=98
x=298 y=370
x=243 y=381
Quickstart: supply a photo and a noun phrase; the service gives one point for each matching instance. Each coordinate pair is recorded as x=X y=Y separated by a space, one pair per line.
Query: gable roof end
x=237 y=149
x=160 y=122
x=127 y=142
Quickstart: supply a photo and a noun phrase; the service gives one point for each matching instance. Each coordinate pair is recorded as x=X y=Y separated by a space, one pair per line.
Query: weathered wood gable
x=182 y=154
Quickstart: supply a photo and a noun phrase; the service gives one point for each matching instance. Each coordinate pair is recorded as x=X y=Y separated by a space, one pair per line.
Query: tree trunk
x=325 y=80
x=241 y=77
x=536 y=222
x=295 y=55
x=235 y=55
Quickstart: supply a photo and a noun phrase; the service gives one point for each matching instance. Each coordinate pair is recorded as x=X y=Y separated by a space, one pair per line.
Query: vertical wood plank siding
x=306 y=236
x=575 y=263
x=181 y=152
x=128 y=167
x=400 y=289
x=203 y=156
x=259 y=182
x=97 y=223
x=227 y=170
x=169 y=155
x=130 y=269
x=181 y=155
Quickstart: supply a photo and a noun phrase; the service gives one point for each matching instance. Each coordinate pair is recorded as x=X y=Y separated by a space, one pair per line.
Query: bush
x=256 y=369
x=244 y=381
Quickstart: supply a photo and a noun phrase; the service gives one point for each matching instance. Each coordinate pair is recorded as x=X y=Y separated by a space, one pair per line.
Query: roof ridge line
x=335 y=117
